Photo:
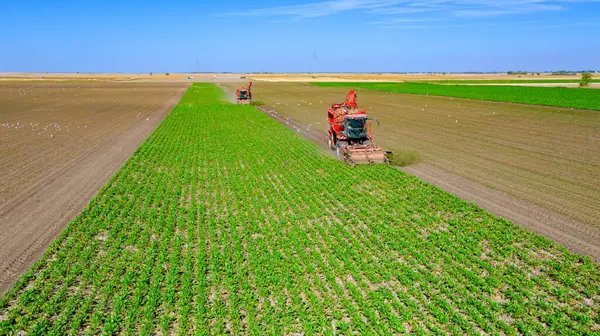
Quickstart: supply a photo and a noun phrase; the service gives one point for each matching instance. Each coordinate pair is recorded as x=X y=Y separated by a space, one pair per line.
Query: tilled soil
x=537 y=166
x=61 y=142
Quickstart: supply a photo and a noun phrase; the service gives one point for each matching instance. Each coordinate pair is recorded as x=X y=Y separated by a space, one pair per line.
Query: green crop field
x=505 y=81
x=224 y=221
x=548 y=96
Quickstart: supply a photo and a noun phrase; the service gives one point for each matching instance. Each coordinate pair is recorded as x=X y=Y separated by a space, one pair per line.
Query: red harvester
x=350 y=133
x=243 y=94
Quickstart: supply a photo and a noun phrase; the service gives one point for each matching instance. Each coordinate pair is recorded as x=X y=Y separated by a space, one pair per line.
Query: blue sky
x=299 y=35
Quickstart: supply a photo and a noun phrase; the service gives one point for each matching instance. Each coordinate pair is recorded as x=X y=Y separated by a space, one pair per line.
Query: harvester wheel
x=339 y=150
x=331 y=142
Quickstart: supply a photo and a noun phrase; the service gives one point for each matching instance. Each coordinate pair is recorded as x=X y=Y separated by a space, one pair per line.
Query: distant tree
x=586 y=79
x=166 y=73
x=563 y=73
x=150 y=74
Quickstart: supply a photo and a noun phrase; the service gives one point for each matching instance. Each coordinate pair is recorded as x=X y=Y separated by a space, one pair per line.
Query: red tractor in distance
x=350 y=133
x=244 y=95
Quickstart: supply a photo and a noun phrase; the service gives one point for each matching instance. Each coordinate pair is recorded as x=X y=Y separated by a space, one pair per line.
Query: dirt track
x=532 y=167
x=52 y=178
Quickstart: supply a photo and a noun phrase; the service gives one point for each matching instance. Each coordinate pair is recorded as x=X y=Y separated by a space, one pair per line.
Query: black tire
x=331 y=141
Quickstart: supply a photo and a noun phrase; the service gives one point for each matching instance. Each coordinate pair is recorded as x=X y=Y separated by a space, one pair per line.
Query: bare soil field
x=274 y=77
x=61 y=142
x=117 y=77
x=538 y=162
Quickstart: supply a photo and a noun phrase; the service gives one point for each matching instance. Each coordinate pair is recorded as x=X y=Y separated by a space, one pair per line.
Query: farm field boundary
x=546 y=156
x=588 y=99
x=576 y=236
x=224 y=221
x=33 y=219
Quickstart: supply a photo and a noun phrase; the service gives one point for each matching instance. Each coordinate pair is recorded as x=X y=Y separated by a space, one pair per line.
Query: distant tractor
x=244 y=95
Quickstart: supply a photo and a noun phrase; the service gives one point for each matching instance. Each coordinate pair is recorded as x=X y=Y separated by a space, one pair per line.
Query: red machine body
x=350 y=133
x=243 y=94
x=338 y=112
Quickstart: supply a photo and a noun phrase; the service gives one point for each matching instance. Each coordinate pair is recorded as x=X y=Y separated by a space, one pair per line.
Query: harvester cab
x=350 y=133
x=355 y=128
x=243 y=94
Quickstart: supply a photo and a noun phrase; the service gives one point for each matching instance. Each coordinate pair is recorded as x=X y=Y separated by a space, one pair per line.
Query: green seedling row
x=549 y=96
x=225 y=222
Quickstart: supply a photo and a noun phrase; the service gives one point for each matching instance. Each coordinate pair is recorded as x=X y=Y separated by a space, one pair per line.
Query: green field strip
x=226 y=222
x=588 y=99
x=503 y=81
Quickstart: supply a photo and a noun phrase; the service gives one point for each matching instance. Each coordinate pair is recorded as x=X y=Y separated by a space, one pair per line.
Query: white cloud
x=506 y=10
x=412 y=9
x=404 y=10
x=317 y=9
x=400 y=20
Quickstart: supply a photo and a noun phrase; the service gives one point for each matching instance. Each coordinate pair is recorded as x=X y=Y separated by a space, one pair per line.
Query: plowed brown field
x=60 y=143
x=539 y=162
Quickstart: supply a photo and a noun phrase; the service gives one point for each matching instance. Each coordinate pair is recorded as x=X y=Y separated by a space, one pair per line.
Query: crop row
x=549 y=96
x=224 y=221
